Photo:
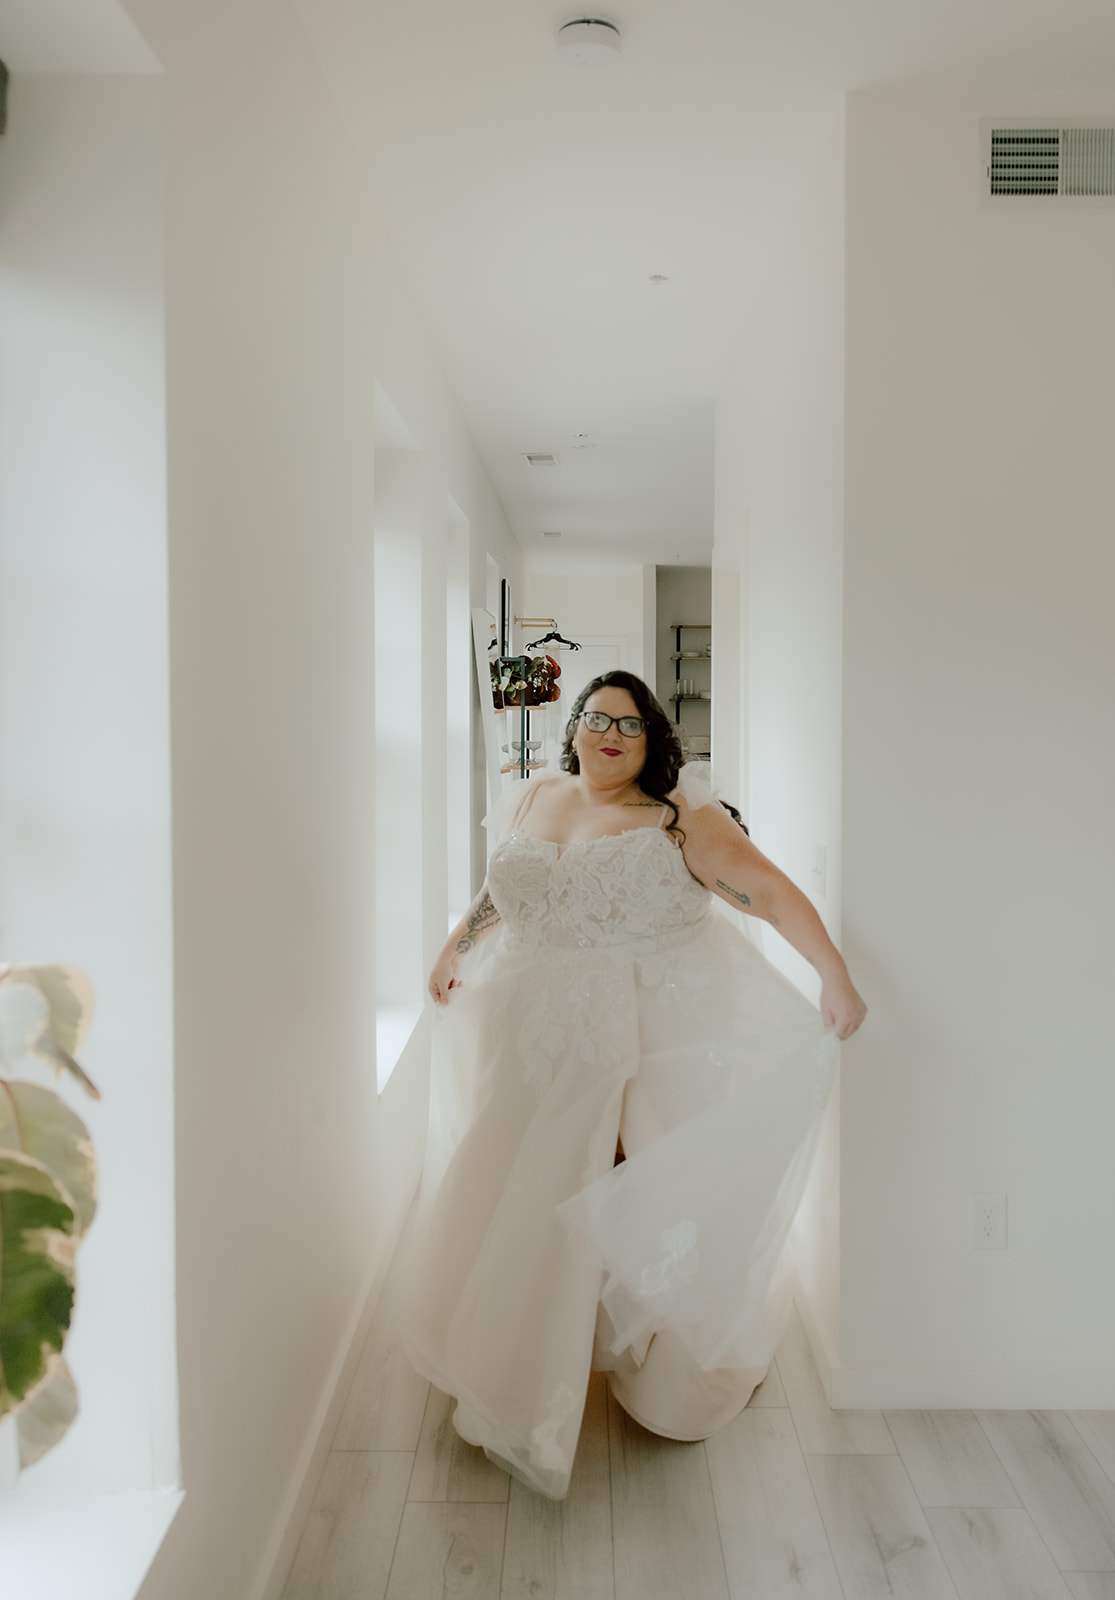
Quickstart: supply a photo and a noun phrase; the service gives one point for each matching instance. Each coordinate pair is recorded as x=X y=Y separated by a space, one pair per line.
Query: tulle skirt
x=535 y=1256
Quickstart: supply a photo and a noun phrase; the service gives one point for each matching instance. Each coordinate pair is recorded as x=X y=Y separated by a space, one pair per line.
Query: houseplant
x=48 y=1181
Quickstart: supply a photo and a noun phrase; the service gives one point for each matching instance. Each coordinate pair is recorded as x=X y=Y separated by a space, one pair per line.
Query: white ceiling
x=530 y=202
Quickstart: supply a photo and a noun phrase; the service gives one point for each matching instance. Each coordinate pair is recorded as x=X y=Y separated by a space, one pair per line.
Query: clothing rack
x=524 y=723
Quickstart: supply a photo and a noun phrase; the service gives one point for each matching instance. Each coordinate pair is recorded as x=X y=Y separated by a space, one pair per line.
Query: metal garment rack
x=524 y=709
x=524 y=720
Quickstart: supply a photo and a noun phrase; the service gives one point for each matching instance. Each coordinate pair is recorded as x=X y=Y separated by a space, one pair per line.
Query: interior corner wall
x=285 y=308
x=979 y=768
x=778 y=545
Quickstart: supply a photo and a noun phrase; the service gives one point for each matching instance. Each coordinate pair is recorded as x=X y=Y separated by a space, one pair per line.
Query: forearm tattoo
x=737 y=895
x=481 y=919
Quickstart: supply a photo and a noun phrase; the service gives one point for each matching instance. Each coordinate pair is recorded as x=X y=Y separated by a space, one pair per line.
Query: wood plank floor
x=791 y=1502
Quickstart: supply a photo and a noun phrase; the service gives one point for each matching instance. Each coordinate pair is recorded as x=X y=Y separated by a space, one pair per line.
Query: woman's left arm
x=721 y=856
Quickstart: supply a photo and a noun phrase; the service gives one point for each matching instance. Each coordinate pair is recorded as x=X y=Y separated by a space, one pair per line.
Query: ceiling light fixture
x=589 y=42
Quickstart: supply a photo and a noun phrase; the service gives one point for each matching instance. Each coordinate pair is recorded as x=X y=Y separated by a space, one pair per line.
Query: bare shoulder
x=718 y=852
x=704 y=824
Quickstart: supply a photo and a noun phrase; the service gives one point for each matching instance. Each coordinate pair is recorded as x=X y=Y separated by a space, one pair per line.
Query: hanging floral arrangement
x=529 y=680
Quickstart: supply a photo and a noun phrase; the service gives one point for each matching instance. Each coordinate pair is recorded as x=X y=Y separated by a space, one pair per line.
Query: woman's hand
x=480 y=920
x=444 y=977
x=842 y=1009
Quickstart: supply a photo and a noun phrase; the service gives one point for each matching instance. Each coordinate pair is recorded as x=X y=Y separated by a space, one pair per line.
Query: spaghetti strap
x=662 y=818
x=512 y=804
x=532 y=788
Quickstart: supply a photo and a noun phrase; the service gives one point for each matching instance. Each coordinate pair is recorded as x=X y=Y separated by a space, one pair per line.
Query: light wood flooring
x=793 y=1501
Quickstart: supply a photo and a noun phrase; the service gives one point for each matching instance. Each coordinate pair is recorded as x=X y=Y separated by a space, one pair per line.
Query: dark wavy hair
x=665 y=756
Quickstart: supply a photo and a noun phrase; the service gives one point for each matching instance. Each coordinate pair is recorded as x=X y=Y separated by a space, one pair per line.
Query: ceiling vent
x=539 y=460
x=1067 y=162
x=551 y=533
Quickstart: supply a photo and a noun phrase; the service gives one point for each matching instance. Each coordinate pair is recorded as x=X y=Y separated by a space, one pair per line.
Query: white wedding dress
x=614 y=1004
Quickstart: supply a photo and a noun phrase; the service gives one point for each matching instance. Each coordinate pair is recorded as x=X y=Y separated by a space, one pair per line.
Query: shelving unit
x=679 y=655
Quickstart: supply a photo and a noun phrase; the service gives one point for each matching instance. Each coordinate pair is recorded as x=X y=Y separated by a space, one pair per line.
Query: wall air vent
x=1065 y=161
x=536 y=460
x=551 y=533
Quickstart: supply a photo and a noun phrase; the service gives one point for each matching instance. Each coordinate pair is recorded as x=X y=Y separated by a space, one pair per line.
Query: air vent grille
x=1025 y=160
x=1060 y=162
x=539 y=460
x=1088 y=161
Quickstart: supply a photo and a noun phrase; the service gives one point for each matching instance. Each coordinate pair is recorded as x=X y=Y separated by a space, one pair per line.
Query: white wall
x=602 y=610
x=84 y=718
x=401 y=753
x=979 y=774
x=777 y=585
x=284 y=311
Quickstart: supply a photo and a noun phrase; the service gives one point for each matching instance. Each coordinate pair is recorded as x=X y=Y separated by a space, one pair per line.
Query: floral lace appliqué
x=676 y=1265
x=579 y=922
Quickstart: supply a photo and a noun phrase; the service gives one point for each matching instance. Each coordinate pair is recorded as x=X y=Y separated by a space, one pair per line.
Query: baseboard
x=823 y=1353
x=974 y=1386
x=955 y=1385
x=278 y=1557
x=403 y=1112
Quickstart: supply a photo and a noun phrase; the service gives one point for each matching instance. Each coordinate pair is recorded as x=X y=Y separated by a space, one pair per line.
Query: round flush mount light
x=589 y=42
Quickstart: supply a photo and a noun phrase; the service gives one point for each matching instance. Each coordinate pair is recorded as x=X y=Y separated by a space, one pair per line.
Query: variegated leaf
x=43 y=1419
x=24 y=1015
x=37 y=1245
x=41 y=1124
x=45 y=1012
x=70 y=997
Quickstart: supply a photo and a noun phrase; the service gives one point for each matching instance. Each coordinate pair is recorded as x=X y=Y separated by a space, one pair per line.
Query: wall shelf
x=679 y=655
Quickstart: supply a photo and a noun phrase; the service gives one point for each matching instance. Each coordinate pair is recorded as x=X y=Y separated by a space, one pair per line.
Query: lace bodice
x=630 y=888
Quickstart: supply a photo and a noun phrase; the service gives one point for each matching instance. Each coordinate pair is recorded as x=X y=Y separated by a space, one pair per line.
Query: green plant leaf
x=44 y=1418
x=41 y=1124
x=37 y=1245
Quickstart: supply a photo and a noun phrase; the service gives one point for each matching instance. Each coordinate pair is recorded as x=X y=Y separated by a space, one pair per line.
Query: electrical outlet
x=987 y=1221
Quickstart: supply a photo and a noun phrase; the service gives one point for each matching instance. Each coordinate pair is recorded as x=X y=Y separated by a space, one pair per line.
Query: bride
x=625 y=1101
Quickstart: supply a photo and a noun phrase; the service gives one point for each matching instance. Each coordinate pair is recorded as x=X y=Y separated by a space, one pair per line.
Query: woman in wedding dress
x=625 y=1101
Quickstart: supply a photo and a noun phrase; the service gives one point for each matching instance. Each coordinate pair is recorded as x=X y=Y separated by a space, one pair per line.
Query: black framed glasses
x=600 y=722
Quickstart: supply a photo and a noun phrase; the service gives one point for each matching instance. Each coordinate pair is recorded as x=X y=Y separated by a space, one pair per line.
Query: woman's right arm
x=480 y=920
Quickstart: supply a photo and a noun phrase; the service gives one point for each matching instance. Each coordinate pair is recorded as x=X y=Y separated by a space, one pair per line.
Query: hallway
x=793 y=1501
x=321 y=320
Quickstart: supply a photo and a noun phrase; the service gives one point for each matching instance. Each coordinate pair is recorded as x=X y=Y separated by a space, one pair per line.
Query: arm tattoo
x=736 y=894
x=481 y=918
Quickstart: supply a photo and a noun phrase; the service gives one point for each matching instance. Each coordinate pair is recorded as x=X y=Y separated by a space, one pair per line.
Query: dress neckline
x=562 y=849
